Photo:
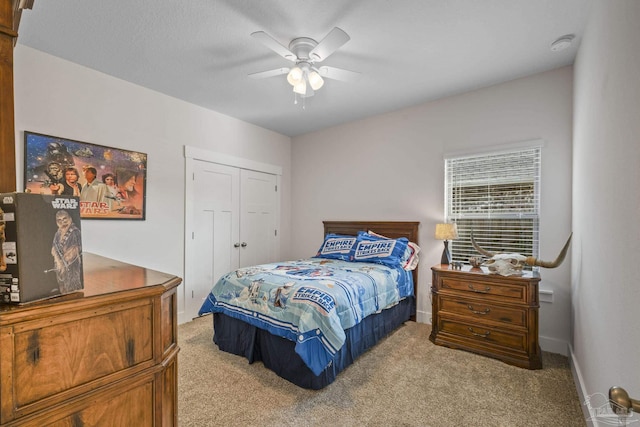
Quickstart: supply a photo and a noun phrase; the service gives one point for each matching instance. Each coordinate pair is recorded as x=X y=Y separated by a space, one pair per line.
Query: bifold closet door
x=216 y=227
x=234 y=225
x=258 y=226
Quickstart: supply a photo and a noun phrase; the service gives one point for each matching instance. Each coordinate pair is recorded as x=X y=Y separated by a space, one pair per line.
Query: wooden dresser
x=106 y=356
x=488 y=314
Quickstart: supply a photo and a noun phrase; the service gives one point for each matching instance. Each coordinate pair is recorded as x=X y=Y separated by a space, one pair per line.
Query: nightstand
x=487 y=314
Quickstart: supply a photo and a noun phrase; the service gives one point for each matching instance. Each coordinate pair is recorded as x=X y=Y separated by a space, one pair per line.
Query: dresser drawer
x=114 y=410
x=54 y=358
x=124 y=403
x=481 y=334
x=483 y=311
x=488 y=289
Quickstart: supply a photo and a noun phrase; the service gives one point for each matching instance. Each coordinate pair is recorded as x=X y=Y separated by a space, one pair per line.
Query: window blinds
x=497 y=196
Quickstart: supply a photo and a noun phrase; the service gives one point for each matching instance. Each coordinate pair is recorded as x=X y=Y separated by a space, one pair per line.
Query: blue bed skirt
x=278 y=354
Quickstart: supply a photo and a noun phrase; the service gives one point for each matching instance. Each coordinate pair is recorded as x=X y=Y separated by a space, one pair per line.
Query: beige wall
x=59 y=98
x=606 y=200
x=391 y=167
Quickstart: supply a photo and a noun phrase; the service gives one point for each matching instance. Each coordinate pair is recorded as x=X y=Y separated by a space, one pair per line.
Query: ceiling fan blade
x=269 y=73
x=329 y=44
x=338 y=74
x=272 y=44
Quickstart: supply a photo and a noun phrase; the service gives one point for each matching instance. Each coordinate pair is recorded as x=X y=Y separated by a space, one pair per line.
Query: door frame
x=192 y=154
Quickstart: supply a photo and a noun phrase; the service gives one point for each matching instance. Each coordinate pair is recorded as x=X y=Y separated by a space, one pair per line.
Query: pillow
x=410 y=257
x=337 y=246
x=380 y=250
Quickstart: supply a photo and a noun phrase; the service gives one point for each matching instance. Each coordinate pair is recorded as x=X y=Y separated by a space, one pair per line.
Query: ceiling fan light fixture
x=315 y=80
x=295 y=76
x=300 y=87
x=305 y=52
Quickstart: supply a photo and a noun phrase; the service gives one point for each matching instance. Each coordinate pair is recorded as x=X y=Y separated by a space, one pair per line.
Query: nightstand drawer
x=512 y=339
x=488 y=289
x=483 y=311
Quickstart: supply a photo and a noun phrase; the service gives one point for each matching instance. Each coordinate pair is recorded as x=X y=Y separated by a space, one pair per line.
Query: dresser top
x=484 y=271
x=105 y=276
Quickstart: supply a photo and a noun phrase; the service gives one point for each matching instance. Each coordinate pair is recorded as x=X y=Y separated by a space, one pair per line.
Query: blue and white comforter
x=310 y=301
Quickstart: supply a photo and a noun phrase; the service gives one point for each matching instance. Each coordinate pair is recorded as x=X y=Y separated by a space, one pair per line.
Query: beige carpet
x=403 y=381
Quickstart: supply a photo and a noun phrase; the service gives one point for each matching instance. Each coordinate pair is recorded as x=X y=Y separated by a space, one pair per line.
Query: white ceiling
x=408 y=51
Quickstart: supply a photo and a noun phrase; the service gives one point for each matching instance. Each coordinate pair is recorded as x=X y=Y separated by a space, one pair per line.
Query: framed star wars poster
x=110 y=182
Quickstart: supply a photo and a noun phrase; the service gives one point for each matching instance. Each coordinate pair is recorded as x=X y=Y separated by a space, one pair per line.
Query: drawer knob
x=480 y=291
x=483 y=312
x=485 y=335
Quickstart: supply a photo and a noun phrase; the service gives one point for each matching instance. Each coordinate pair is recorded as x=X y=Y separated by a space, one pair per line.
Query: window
x=497 y=196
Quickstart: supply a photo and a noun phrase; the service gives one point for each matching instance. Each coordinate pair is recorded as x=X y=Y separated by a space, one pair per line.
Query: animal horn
x=546 y=264
x=479 y=249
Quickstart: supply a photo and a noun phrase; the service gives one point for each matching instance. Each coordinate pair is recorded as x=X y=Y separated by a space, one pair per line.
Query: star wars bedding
x=279 y=354
x=310 y=302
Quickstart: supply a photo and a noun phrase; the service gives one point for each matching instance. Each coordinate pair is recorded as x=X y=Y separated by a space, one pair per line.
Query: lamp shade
x=315 y=81
x=446 y=231
x=300 y=87
x=294 y=76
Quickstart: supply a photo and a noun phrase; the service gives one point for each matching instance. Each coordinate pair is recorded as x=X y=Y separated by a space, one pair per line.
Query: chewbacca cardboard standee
x=41 y=247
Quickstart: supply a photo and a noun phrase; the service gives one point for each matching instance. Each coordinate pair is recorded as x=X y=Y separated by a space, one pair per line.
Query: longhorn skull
x=511 y=264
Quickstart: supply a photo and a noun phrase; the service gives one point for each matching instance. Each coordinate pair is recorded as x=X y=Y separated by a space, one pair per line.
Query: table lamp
x=446 y=232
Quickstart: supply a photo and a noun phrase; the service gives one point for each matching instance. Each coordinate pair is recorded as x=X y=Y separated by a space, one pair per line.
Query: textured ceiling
x=408 y=51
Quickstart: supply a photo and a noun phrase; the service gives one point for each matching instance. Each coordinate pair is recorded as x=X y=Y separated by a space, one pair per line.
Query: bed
x=292 y=315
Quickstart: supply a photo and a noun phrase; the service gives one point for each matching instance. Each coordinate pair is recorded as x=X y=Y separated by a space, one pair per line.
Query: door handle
x=244 y=244
x=621 y=403
x=236 y=245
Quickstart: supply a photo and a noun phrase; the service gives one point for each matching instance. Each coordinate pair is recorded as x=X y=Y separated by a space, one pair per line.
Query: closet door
x=258 y=218
x=232 y=213
x=216 y=223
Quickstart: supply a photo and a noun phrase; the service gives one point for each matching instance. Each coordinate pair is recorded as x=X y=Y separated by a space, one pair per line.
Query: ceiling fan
x=305 y=53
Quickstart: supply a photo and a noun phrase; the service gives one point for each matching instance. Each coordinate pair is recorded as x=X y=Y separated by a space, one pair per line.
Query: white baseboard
x=182 y=318
x=423 y=317
x=596 y=407
x=554 y=345
x=582 y=393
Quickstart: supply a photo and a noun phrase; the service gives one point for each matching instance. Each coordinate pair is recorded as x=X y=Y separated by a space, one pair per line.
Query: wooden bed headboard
x=392 y=229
